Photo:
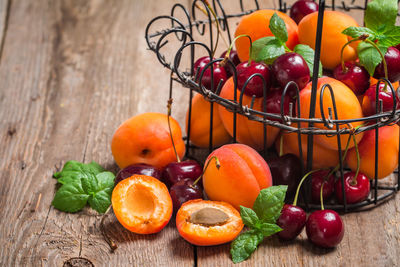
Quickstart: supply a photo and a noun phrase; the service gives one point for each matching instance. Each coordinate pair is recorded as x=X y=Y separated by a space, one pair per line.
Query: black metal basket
x=183 y=33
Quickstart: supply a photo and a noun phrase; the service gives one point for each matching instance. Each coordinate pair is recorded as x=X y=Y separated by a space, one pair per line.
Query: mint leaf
x=271 y=51
x=258 y=45
x=269 y=203
x=391 y=36
x=74 y=170
x=308 y=54
x=356 y=32
x=369 y=56
x=278 y=28
x=70 y=197
x=102 y=185
x=245 y=244
x=268 y=229
x=249 y=217
x=380 y=12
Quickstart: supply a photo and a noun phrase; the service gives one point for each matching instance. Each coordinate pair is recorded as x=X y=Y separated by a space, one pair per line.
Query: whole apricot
x=248 y=132
x=332 y=37
x=145 y=138
x=240 y=177
x=256 y=25
x=388 y=152
x=200 y=124
x=347 y=106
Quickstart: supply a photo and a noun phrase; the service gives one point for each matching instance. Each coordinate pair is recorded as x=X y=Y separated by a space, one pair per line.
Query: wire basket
x=187 y=35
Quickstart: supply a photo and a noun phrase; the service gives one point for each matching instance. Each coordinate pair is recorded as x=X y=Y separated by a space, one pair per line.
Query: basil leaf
x=258 y=45
x=356 y=32
x=380 y=12
x=271 y=51
x=308 y=54
x=74 y=170
x=269 y=203
x=278 y=28
x=369 y=56
x=391 y=37
x=268 y=229
x=70 y=197
x=249 y=217
x=100 y=188
x=245 y=244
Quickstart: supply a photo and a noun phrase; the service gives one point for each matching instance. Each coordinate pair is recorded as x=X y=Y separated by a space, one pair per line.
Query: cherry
x=301 y=8
x=356 y=190
x=140 y=168
x=325 y=228
x=317 y=179
x=291 y=67
x=354 y=76
x=385 y=94
x=183 y=191
x=255 y=86
x=285 y=170
x=176 y=171
x=219 y=73
x=233 y=56
x=292 y=221
x=392 y=58
x=273 y=102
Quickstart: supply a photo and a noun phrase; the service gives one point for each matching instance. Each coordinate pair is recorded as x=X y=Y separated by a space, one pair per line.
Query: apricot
x=248 y=132
x=142 y=204
x=388 y=152
x=208 y=223
x=332 y=37
x=200 y=124
x=347 y=105
x=145 y=138
x=322 y=157
x=240 y=177
x=256 y=25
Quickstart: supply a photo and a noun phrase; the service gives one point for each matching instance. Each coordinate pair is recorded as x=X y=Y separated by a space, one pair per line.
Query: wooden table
x=71 y=72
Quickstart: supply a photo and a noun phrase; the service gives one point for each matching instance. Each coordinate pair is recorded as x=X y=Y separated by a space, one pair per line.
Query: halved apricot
x=142 y=204
x=208 y=223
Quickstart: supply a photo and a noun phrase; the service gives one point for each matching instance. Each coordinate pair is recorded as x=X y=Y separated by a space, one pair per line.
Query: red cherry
x=369 y=103
x=285 y=170
x=140 y=168
x=355 y=192
x=392 y=58
x=354 y=76
x=233 y=56
x=183 y=191
x=176 y=171
x=317 y=179
x=219 y=73
x=255 y=86
x=325 y=228
x=292 y=221
x=302 y=8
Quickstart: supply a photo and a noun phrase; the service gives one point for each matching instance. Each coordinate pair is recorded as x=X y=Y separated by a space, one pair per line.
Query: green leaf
x=380 y=12
x=369 y=56
x=269 y=203
x=391 y=36
x=356 y=32
x=278 y=28
x=271 y=51
x=308 y=54
x=249 y=217
x=74 y=170
x=258 y=45
x=100 y=187
x=245 y=244
x=268 y=229
x=70 y=197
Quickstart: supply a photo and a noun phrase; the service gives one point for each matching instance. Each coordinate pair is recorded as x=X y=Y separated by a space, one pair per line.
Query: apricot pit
x=209 y=217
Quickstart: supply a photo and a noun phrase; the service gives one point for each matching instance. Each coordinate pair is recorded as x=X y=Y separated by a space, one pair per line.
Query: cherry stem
x=344 y=68
x=216 y=22
x=354 y=180
x=107 y=238
x=169 y=107
x=301 y=182
x=382 y=56
x=231 y=46
x=321 y=196
x=281 y=146
x=217 y=164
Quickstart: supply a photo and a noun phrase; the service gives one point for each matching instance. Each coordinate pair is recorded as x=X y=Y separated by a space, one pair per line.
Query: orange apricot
x=388 y=152
x=145 y=138
x=332 y=37
x=240 y=177
x=208 y=223
x=322 y=157
x=256 y=25
x=200 y=124
x=347 y=105
x=248 y=132
x=142 y=204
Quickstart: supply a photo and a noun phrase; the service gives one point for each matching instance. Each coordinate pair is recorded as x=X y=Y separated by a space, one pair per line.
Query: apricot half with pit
x=208 y=223
x=142 y=204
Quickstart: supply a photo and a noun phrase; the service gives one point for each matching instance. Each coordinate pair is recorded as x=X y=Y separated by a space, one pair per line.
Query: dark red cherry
x=325 y=228
x=301 y=8
x=317 y=179
x=285 y=170
x=140 y=168
x=354 y=76
x=255 y=86
x=291 y=67
x=219 y=73
x=369 y=103
x=392 y=58
x=176 y=171
x=292 y=221
x=183 y=191
x=273 y=102
x=233 y=56
x=356 y=191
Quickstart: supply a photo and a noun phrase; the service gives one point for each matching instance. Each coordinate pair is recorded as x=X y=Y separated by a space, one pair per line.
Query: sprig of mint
x=81 y=184
x=380 y=18
x=261 y=220
x=267 y=49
